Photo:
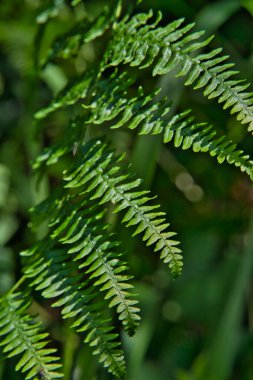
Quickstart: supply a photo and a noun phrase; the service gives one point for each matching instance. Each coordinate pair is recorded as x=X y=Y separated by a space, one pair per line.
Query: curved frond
x=150 y=116
x=51 y=273
x=23 y=337
x=90 y=245
x=99 y=173
x=109 y=102
x=79 y=228
x=174 y=47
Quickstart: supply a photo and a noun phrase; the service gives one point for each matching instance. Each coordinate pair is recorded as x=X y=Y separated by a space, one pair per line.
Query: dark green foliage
x=78 y=263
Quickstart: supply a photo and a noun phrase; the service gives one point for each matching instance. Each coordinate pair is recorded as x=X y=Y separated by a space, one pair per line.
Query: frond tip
x=23 y=337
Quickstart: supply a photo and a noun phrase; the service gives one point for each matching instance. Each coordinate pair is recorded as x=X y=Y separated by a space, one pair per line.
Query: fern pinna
x=79 y=263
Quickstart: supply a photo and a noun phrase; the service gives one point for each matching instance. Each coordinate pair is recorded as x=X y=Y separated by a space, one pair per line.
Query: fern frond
x=23 y=337
x=79 y=264
x=54 y=152
x=88 y=243
x=69 y=43
x=108 y=101
x=83 y=88
x=153 y=117
x=70 y=94
x=173 y=47
x=57 y=277
x=79 y=225
x=98 y=171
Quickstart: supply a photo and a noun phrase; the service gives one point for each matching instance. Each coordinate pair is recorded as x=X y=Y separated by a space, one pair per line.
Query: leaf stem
x=17 y=285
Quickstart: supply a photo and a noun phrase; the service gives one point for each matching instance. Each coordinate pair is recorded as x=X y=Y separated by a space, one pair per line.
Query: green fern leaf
x=78 y=264
x=57 y=277
x=98 y=171
x=23 y=337
x=84 y=31
x=94 y=250
x=70 y=95
x=153 y=117
x=85 y=236
x=175 y=48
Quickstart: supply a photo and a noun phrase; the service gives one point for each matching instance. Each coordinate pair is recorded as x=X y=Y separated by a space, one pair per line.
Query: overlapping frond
x=77 y=226
x=84 y=87
x=151 y=116
x=174 y=47
x=99 y=174
x=78 y=262
x=23 y=337
x=109 y=101
x=56 y=276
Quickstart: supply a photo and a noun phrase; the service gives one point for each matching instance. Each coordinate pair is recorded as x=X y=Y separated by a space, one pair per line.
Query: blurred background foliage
x=199 y=327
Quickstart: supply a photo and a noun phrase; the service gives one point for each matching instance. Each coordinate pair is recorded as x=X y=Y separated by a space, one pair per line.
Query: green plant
x=78 y=261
